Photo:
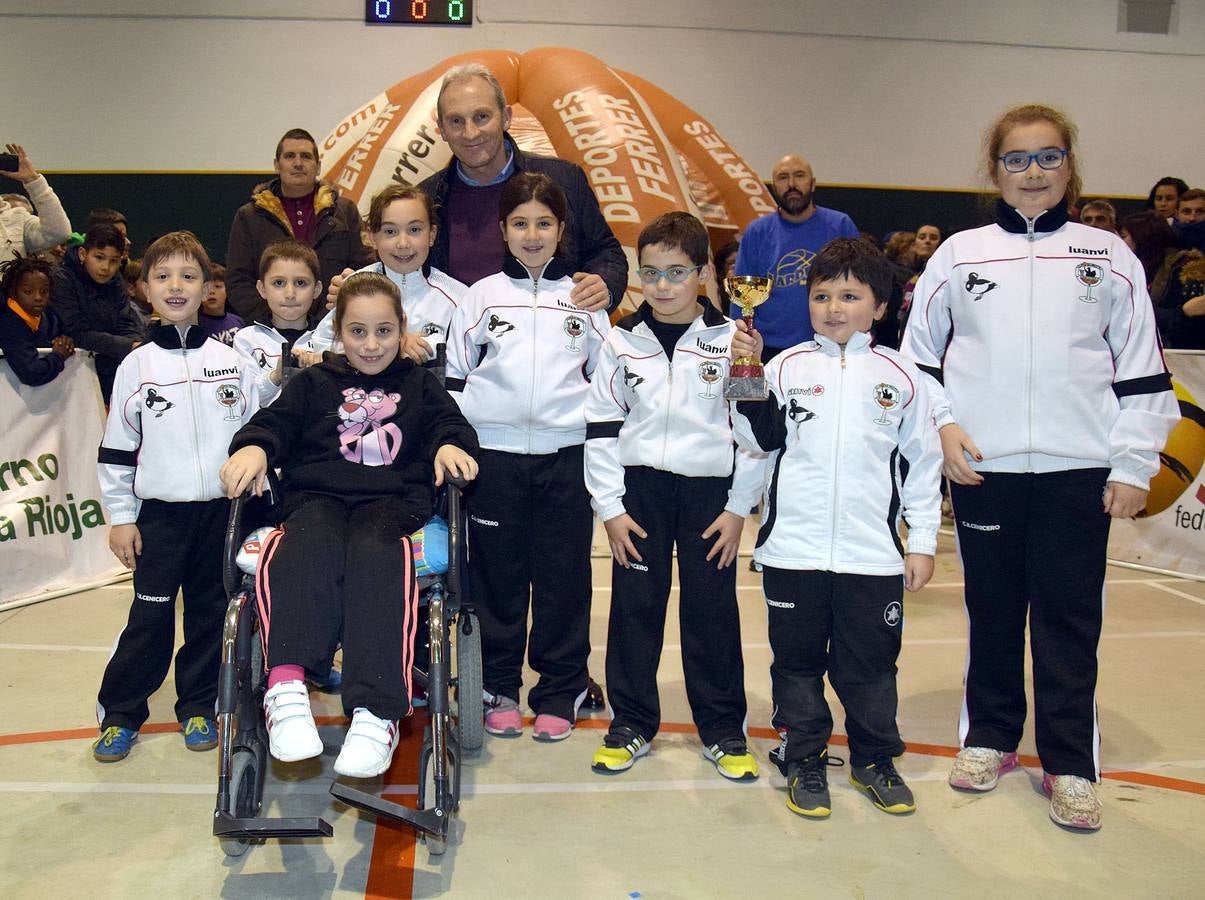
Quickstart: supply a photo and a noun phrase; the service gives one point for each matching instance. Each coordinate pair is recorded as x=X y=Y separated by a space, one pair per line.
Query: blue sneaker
x=113 y=745
x=200 y=733
x=331 y=684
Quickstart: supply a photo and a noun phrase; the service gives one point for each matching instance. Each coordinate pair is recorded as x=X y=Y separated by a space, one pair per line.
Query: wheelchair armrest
x=232 y=577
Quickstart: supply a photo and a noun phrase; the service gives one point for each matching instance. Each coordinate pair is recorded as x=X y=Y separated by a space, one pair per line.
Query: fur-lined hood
x=266 y=196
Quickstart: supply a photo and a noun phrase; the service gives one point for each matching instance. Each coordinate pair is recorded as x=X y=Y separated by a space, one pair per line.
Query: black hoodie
x=336 y=431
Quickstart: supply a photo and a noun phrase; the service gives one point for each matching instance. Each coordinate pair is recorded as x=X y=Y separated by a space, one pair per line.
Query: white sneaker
x=979 y=768
x=369 y=745
x=1073 y=801
x=292 y=734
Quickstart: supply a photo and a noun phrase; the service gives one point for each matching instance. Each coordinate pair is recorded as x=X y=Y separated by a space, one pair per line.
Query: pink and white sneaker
x=369 y=745
x=1073 y=801
x=503 y=718
x=979 y=768
x=549 y=728
x=292 y=735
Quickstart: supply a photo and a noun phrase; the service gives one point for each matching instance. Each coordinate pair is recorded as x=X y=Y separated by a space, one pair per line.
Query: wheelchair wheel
x=244 y=797
x=470 y=708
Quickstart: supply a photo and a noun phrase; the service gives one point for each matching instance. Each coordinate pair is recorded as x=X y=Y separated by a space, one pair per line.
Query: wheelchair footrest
x=428 y=821
x=227 y=826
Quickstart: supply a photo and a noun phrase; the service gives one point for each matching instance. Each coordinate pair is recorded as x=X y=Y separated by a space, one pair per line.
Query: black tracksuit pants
x=343 y=569
x=181 y=549
x=530 y=527
x=675 y=509
x=850 y=626
x=1034 y=544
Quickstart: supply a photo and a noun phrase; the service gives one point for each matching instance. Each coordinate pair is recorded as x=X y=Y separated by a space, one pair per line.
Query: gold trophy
x=746 y=379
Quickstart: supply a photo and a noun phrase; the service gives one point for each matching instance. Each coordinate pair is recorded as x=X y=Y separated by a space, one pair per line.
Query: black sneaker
x=807 y=785
x=884 y=786
x=594 y=699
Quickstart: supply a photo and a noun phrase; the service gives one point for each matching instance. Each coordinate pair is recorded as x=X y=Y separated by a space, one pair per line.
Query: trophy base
x=746 y=387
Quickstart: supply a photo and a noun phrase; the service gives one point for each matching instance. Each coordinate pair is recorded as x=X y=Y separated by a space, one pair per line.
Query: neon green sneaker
x=732 y=759
x=621 y=748
x=200 y=733
x=114 y=743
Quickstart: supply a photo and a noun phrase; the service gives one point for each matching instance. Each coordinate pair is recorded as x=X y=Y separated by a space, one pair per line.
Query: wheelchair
x=453 y=673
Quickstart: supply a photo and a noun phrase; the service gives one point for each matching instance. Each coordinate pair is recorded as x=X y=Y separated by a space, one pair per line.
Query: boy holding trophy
x=857 y=452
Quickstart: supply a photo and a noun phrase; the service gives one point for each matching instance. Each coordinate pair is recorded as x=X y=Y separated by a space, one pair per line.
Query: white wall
x=873 y=92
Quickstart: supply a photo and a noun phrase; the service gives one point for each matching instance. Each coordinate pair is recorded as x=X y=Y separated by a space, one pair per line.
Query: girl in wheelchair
x=357 y=439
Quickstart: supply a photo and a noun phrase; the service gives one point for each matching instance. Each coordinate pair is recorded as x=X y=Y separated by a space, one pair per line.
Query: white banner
x=1172 y=534
x=53 y=532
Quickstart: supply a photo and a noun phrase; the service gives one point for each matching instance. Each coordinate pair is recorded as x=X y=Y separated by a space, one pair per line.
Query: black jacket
x=589 y=244
x=97 y=316
x=335 y=431
x=20 y=345
x=262 y=221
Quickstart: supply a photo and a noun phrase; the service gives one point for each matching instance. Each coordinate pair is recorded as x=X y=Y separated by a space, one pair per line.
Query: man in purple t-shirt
x=781 y=245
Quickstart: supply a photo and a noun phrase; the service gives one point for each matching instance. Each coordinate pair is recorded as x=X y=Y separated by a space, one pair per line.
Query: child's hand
x=727 y=528
x=332 y=292
x=746 y=342
x=247 y=468
x=619 y=534
x=416 y=348
x=126 y=543
x=955 y=444
x=306 y=358
x=589 y=292
x=1124 y=501
x=63 y=346
x=918 y=569
x=452 y=460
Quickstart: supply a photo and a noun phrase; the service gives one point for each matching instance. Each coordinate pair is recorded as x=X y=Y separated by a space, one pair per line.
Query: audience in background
x=214 y=319
x=90 y=296
x=27 y=322
x=1099 y=214
x=1165 y=195
x=22 y=232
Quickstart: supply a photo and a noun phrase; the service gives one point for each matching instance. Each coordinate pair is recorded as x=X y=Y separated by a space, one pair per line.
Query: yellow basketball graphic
x=1180 y=462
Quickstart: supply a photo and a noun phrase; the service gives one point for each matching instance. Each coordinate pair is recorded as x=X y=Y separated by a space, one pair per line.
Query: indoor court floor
x=535 y=822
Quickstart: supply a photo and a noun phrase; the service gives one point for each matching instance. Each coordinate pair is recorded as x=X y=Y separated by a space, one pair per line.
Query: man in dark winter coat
x=292 y=205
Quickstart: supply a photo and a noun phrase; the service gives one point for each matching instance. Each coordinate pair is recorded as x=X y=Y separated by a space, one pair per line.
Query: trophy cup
x=746 y=379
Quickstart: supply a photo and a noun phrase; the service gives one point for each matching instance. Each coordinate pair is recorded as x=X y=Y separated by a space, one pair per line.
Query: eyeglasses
x=1018 y=161
x=674 y=274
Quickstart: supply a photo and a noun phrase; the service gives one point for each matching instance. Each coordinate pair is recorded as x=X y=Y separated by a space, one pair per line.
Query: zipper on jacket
x=668 y=407
x=1031 y=237
x=836 y=492
x=192 y=410
x=531 y=396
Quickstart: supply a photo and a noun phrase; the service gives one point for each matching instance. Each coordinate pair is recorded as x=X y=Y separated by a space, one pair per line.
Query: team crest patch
x=710 y=372
x=1089 y=274
x=894 y=613
x=632 y=380
x=431 y=328
x=887 y=396
x=575 y=328
x=229 y=396
x=977 y=286
x=499 y=326
x=261 y=358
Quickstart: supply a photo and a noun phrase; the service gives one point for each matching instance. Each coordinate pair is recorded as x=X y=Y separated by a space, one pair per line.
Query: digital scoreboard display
x=418 y=12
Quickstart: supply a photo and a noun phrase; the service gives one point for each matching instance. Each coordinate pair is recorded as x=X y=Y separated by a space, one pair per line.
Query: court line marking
x=1150 y=779
x=1186 y=596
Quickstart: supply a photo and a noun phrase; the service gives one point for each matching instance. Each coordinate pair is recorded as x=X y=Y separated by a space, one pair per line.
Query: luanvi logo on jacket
x=1086 y=251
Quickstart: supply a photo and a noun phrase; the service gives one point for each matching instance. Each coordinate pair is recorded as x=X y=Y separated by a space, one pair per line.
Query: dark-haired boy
x=857 y=452
x=217 y=321
x=90 y=297
x=177 y=402
x=662 y=470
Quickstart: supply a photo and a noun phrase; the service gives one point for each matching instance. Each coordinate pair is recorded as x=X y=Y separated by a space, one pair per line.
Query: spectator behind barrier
x=214 y=319
x=89 y=295
x=1099 y=214
x=27 y=322
x=22 y=232
x=1165 y=195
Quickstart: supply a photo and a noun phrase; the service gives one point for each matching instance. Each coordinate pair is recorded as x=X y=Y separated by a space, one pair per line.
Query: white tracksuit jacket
x=258 y=346
x=1053 y=361
x=858 y=453
x=429 y=298
x=647 y=410
x=174 y=410
x=520 y=356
